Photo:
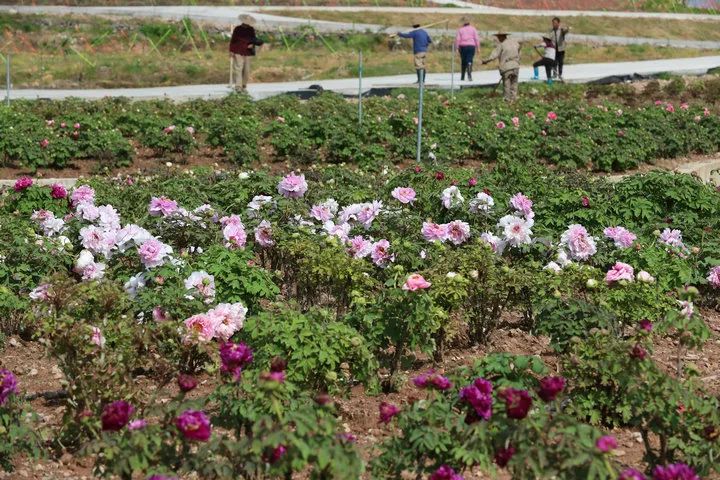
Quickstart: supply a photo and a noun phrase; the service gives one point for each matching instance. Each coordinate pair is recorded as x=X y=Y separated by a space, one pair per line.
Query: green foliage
x=18 y=432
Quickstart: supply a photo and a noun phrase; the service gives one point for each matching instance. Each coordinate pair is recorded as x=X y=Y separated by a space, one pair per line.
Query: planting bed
x=329 y=309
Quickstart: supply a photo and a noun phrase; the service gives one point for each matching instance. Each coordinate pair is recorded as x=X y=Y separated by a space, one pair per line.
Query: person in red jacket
x=242 y=48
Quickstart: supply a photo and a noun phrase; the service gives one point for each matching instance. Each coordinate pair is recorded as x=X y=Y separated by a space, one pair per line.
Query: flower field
x=240 y=324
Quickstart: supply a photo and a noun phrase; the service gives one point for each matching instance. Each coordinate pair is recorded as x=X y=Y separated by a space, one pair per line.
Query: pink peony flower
x=40 y=293
x=57 y=191
x=522 y=204
x=23 y=183
x=292 y=186
x=359 y=247
x=551 y=116
x=515 y=122
x=458 y=232
x=160 y=315
x=162 y=206
x=606 y=443
x=82 y=194
x=138 y=424
x=76 y=126
x=153 y=253
x=706 y=112
x=620 y=271
x=672 y=238
x=116 y=415
x=495 y=242
x=201 y=327
x=44 y=143
x=580 y=245
x=714 y=277
x=369 y=212
x=202 y=282
x=340 y=230
x=416 y=282
x=684 y=106
x=381 y=253
x=228 y=319
x=500 y=125
x=517 y=402
x=622 y=237
x=263 y=234
x=234 y=233
x=472 y=182
x=404 y=195
x=631 y=474
x=434 y=232
x=530 y=115
x=669 y=108
x=97 y=337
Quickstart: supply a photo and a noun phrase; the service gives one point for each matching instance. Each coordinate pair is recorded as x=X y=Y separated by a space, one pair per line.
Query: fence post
x=360 y=75
x=7 y=79
x=420 y=112
x=452 y=72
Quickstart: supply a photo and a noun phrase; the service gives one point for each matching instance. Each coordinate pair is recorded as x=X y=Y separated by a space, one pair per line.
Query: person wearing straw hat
x=547 y=59
x=507 y=53
x=242 y=48
x=421 y=41
x=466 y=41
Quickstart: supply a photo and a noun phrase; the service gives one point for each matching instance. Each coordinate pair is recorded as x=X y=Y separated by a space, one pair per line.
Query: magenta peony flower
x=8 y=384
x=479 y=396
x=606 y=443
x=263 y=234
x=638 y=352
x=161 y=477
x=186 y=382
x=347 y=437
x=675 y=471
x=631 y=474
x=620 y=271
x=579 y=243
x=550 y=387
x=277 y=453
x=504 y=455
x=116 y=415
x=162 y=207
x=160 y=315
x=432 y=380
x=517 y=402
x=445 y=473
x=277 y=371
x=388 y=411
x=292 y=186
x=645 y=325
x=82 y=194
x=404 y=194
x=458 y=232
x=234 y=357
x=23 y=183
x=57 y=191
x=434 y=232
x=194 y=425
x=415 y=282
x=622 y=237
x=714 y=277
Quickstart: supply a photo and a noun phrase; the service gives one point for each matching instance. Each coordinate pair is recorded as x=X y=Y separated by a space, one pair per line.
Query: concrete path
x=573 y=73
x=224 y=17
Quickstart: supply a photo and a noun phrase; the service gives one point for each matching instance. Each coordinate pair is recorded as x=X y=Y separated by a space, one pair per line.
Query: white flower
x=84 y=259
x=482 y=203
x=552 y=266
x=243 y=175
x=516 y=230
x=451 y=197
x=203 y=282
x=135 y=284
x=645 y=277
x=451 y=275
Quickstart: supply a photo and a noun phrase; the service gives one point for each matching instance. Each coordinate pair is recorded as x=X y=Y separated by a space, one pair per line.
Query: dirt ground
x=358 y=411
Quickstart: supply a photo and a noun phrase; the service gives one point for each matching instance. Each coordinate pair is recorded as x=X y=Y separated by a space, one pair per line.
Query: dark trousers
x=559 y=62
x=547 y=63
x=466 y=59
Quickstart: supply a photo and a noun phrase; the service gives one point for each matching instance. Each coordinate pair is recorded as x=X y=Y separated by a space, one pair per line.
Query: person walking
x=557 y=34
x=421 y=41
x=547 y=59
x=242 y=49
x=507 y=53
x=466 y=42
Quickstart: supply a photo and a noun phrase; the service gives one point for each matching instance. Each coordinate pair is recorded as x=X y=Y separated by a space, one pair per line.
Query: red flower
x=504 y=455
x=439 y=176
x=550 y=387
x=517 y=402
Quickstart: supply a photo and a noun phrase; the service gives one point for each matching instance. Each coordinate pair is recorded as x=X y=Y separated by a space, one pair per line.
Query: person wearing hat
x=242 y=48
x=547 y=59
x=466 y=41
x=557 y=34
x=507 y=53
x=421 y=41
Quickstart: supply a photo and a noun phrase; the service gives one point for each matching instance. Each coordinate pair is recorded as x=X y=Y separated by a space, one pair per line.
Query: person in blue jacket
x=421 y=42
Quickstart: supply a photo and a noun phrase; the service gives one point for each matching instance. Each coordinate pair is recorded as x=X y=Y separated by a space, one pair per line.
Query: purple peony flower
x=234 y=357
x=638 y=352
x=675 y=471
x=504 y=455
x=138 y=424
x=23 y=183
x=522 y=204
x=186 y=382
x=277 y=453
x=292 y=186
x=8 y=384
x=479 y=396
x=57 y=191
x=432 y=380
x=631 y=474
x=517 y=402
x=116 y=415
x=194 y=425
x=445 y=473
x=646 y=325
x=606 y=443
x=388 y=411
x=161 y=477
x=550 y=387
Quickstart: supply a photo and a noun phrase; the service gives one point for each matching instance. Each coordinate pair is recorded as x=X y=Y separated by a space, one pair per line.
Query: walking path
x=224 y=17
x=573 y=73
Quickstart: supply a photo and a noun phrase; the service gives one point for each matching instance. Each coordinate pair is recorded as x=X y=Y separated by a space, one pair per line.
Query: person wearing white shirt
x=547 y=60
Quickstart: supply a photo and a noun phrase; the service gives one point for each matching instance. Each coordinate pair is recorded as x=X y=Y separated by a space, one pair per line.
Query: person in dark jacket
x=242 y=48
x=421 y=41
